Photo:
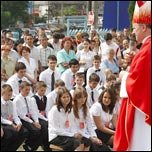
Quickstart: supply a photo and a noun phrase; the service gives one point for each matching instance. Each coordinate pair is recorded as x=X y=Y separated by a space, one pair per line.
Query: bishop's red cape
x=138 y=86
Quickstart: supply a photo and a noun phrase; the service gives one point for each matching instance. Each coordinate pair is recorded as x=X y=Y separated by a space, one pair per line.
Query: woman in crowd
x=104 y=116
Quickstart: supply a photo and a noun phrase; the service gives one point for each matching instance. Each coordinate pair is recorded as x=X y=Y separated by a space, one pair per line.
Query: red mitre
x=142 y=12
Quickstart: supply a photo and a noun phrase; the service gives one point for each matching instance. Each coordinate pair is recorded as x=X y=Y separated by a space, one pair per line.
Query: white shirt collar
x=40 y=97
x=3 y=101
x=88 y=87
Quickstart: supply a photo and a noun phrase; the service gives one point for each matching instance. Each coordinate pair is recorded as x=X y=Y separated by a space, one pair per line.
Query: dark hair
x=114 y=29
x=60 y=93
x=87 y=40
x=108 y=36
x=97 y=57
x=74 y=43
x=73 y=62
x=94 y=77
x=17 y=43
x=62 y=36
x=52 y=57
x=116 y=84
x=85 y=34
x=29 y=35
x=56 y=35
x=19 y=66
x=116 y=87
x=113 y=100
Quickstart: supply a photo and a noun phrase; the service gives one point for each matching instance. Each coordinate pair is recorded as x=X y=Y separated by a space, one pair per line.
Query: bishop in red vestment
x=133 y=130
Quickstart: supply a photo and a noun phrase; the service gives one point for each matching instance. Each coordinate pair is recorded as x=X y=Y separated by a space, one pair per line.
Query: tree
x=70 y=10
x=131 y=12
x=13 y=11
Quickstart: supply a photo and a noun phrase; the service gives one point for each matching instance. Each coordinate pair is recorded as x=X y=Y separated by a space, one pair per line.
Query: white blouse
x=96 y=110
x=87 y=57
x=51 y=98
x=60 y=123
x=84 y=126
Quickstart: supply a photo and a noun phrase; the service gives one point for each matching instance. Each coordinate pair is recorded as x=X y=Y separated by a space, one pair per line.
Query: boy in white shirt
x=15 y=132
x=40 y=101
x=15 y=80
x=79 y=81
x=28 y=115
x=50 y=75
x=69 y=75
x=91 y=89
x=97 y=69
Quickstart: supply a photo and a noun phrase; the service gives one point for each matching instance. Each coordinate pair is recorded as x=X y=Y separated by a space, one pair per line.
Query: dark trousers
x=34 y=139
x=12 y=139
x=44 y=134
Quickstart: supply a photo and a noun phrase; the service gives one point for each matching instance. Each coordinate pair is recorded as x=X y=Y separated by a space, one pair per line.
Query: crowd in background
x=63 y=90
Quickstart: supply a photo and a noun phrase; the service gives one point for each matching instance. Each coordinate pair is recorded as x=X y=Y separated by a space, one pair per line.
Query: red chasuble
x=138 y=86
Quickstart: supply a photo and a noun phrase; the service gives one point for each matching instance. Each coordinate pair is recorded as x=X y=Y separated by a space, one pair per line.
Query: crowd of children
x=67 y=97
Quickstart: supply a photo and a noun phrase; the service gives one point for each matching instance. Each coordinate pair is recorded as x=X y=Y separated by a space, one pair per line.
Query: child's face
x=25 y=91
x=74 y=68
x=93 y=84
x=81 y=101
x=96 y=63
x=65 y=99
x=79 y=81
x=52 y=64
x=86 y=44
x=41 y=91
x=7 y=95
x=21 y=73
x=106 y=99
x=110 y=82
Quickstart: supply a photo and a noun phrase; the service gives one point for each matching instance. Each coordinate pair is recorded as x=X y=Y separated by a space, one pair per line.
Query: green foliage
x=13 y=11
x=56 y=12
x=131 y=12
x=40 y=19
x=70 y=10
